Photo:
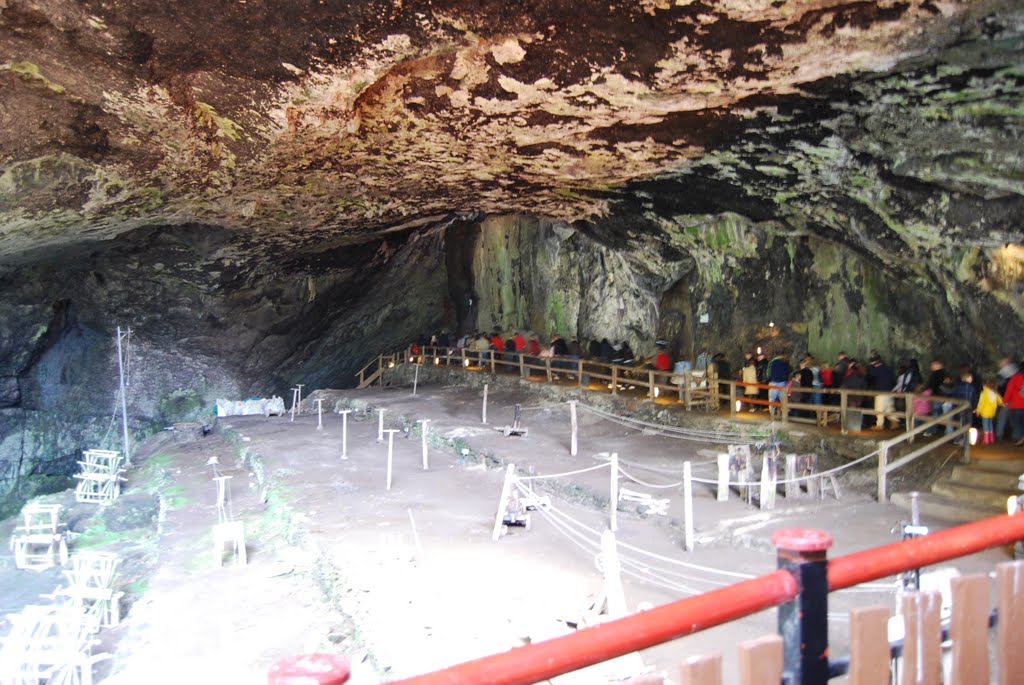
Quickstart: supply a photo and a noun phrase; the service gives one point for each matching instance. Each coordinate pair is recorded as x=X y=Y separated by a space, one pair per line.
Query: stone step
x=1015 y=466
x=988 y=498
x=995 y=480
x=944 y=508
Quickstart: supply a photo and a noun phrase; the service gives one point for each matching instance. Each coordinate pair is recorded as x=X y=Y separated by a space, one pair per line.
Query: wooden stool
x=232 y=536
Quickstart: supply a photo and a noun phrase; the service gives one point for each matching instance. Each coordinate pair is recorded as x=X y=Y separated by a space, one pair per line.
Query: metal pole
x=483 y=410
x=124 y=399
x=803 y=622
x=344 y=432
x=573 y=426
x=423 y=436
x=613 y=524
x=319 y=413
x=415 y=378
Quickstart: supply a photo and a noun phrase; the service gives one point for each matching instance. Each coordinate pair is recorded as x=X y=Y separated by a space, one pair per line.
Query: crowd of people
x=996 y=403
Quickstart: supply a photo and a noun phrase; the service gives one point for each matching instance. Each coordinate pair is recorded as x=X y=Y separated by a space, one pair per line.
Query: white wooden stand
x=229 y=537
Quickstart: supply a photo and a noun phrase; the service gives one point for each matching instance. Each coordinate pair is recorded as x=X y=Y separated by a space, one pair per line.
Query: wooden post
x=922 y=654
x=492 y=363
x=969 y=629
x=573 y=426
x=723 y=477
x=732 y=399
x=344 y=432
x=547 y=367
x=688 y=505
x=615 y=379
x=761 y=661
x=506 y=490
x=483 y=410
x=380 y=425
x=701 y=670
x=792 y=488
x=869 y=646
x=1009 y=636
x=843 y=401
x=423 y=436
x=784 y=404
x=522 y=369
x=319 y=413
x=415 y=377
x=688 y=390
x=614 y=493
x=909 y=402
x=651 y=386
x=883 y=463
x=579 y=374
x=391 y=448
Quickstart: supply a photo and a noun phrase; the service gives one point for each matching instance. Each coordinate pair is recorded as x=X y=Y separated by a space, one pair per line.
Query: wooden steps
x=970 y=492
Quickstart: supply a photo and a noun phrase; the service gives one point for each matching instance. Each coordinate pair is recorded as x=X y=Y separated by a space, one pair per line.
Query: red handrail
x=880 y=562
x=543 y=660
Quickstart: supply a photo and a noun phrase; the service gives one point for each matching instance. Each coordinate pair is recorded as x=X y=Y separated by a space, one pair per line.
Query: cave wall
x=724 y=282
x=210 y=318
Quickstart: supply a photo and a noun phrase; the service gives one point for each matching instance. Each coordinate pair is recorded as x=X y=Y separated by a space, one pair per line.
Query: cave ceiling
x=894 y=125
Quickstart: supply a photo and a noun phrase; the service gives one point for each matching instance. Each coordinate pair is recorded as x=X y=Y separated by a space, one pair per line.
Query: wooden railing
x=694 y=389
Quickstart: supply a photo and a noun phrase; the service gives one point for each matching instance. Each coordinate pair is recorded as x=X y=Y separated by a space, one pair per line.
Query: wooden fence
x=695 y=390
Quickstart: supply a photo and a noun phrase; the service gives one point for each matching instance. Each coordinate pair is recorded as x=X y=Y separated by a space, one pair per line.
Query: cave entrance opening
x=675 y=321
x=461 y=307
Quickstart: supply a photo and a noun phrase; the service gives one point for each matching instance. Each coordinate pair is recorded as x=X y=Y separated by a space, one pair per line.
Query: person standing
x=1013 y=398
x=778 y=375
x=880 y=378
x=989 y=403
x=749 y=378
x=1007 y=370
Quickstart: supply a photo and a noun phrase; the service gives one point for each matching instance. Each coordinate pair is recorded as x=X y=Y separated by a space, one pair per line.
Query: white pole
x=380 y=425
x=298 y=386
x=391 y=447
x=415 y=378
x=688 y=505
x=124 y=399
x=614 y=595
x=792 y=487
x=572 y=421
x=483 y=411
x=614 y=522
x=723 y=477
x=423 y=435
x=506 y=490
x=344 y=432
x=319 y=413
x=295 y=392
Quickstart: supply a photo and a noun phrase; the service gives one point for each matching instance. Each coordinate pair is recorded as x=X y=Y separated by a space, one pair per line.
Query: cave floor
x=409 y=580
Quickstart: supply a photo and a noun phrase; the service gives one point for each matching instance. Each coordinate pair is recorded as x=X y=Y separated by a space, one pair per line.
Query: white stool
x=232 y=536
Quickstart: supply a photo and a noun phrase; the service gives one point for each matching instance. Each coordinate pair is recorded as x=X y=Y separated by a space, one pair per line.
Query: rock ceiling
x=307 y=121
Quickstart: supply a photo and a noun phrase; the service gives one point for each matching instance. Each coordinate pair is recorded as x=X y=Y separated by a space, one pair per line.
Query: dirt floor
x=408 y=580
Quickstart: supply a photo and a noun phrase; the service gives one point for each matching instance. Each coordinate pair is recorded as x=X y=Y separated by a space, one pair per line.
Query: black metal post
x=803 y=623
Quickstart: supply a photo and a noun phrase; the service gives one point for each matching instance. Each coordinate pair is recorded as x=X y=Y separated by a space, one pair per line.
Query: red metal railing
x=544 y=660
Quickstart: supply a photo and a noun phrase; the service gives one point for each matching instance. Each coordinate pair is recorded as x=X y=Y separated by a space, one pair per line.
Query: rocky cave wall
x=207 y=322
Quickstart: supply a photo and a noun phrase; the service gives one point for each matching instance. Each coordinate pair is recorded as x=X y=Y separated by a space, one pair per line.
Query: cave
x=269 y=194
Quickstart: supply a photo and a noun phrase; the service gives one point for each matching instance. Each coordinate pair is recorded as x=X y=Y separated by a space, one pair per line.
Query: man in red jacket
x=1014 y=401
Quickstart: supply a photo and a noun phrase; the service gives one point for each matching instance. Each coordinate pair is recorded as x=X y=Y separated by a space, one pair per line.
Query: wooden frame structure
x=38 y=543
x=99 y=481
x=90 y=590
x=50 y=644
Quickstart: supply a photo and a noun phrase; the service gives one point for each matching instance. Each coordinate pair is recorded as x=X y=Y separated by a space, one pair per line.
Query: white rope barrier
x=563 y=475
x=648 y=485
x=671 y=431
